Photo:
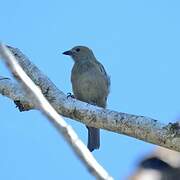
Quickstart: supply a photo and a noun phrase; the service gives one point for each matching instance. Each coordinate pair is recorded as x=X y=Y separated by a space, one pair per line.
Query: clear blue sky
x=139 y=44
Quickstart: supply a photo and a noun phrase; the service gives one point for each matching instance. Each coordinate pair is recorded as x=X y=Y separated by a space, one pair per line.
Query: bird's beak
x=69 y=53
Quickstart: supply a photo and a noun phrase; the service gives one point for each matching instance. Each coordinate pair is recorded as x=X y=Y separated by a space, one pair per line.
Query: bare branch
x=40 y=102
x=140 y=127
x=14 y=91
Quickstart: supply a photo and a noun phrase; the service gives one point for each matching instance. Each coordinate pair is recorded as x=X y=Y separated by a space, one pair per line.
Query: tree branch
x=140 y=127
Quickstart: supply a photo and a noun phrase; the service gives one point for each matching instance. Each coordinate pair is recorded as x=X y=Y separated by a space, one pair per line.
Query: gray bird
x=90 y=83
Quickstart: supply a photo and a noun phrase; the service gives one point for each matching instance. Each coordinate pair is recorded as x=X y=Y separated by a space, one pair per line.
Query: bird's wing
x=103 y=71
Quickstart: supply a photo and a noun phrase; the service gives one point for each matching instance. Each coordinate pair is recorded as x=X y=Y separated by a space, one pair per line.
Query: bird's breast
x=89 y=84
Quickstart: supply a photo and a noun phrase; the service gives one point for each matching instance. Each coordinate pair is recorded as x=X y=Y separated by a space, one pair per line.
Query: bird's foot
x=70 y=95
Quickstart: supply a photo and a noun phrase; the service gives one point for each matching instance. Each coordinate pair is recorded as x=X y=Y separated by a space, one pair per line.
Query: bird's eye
x=77 y=50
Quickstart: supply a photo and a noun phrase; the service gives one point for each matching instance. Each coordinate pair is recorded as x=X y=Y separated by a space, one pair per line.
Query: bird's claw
x=70 y=95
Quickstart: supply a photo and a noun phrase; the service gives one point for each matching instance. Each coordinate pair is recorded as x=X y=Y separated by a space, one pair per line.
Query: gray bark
x=140 y=127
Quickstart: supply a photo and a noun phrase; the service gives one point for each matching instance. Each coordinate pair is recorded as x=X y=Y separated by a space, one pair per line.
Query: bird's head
x=80 y=53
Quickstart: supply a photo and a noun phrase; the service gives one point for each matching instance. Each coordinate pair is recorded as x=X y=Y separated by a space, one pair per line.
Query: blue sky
x=138 y=42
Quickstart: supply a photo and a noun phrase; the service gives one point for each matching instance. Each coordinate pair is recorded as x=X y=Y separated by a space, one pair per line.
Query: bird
x=90 y=84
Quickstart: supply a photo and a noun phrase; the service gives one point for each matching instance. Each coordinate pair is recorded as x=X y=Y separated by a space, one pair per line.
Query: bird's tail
x=93 y=138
